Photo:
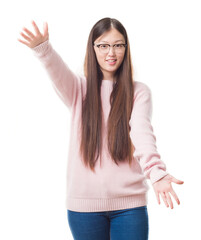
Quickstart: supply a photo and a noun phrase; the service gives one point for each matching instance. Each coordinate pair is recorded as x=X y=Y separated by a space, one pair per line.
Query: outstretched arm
x=64 y=81
x=144 y=140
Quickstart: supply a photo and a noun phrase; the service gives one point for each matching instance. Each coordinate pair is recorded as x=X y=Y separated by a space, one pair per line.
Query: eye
x=119 y=45
x=103 y=46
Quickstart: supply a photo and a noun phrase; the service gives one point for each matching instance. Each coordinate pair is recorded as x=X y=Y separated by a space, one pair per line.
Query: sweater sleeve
x=143 y=137
x=64 y=81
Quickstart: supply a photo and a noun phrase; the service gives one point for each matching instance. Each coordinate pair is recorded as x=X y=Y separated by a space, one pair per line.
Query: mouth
x=111 y=61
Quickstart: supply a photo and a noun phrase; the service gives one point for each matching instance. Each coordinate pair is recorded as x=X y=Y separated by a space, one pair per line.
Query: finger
x=45 y=27
x=157 y=196
x=36 y=28
x=175 y=196
x=26 y=37
x=164 y=199
x=169 y=199
x=28 y=32
x=26 y=43
x=177 y=181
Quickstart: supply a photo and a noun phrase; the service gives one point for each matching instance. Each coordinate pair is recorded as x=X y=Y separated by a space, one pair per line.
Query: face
x=110 y=62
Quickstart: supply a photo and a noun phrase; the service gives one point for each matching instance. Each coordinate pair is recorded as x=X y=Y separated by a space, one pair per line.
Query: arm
x=143 y=137
x=64 y=81
x=144 y=141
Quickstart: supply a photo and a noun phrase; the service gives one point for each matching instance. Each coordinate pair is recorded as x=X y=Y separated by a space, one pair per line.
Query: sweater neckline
x=107 y=81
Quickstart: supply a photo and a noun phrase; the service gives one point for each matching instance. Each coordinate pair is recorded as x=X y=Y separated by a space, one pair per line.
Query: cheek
x=121 y=58
x=100 y=59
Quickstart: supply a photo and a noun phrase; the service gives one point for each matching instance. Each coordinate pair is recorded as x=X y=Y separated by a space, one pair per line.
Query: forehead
x=112 y=35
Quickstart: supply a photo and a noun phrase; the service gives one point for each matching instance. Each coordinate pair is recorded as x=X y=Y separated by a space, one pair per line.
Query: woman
x=111 y=124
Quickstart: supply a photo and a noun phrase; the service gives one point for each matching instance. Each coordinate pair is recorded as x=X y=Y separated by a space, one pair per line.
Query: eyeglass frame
x=110 y=45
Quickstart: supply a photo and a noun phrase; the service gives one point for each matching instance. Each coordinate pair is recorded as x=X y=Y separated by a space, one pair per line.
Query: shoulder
x=141 y=89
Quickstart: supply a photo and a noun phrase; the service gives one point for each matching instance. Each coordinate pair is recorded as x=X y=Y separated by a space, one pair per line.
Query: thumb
x=177 y=181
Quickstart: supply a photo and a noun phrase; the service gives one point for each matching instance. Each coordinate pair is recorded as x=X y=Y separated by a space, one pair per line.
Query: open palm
x=163 y=187
x=34 y=39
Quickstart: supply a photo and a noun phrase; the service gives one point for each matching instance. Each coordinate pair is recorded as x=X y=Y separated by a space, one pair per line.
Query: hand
x=38 y=38
x=163 y=186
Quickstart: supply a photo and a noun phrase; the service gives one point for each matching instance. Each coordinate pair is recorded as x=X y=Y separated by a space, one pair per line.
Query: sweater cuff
x=41 y=48
x=156 y=174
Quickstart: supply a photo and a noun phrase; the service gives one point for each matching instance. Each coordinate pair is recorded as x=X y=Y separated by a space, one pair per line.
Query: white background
x=34 y=123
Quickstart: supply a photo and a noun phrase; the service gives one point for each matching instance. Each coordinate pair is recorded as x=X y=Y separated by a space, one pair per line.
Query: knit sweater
x=111 y=186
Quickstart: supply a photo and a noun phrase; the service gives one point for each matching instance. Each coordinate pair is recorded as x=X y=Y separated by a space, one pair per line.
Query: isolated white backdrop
x=35 y=124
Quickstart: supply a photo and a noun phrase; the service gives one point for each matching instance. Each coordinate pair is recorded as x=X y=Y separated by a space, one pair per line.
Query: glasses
x=105 y=48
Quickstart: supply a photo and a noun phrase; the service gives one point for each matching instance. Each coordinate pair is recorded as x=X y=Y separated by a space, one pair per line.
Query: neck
x=109 y=77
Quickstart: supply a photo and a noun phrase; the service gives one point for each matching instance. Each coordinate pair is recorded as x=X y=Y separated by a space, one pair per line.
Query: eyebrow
x=115 y=41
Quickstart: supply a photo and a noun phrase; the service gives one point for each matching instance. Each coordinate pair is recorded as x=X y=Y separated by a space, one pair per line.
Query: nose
x=111 y=51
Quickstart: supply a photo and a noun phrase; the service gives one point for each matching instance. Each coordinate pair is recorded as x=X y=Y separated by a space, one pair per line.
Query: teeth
x=111 y=60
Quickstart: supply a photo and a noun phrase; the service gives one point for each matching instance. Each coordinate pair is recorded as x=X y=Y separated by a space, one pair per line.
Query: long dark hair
x=121 y=99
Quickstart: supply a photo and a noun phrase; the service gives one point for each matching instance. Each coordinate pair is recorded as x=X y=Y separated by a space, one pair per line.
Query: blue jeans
x=126 y=224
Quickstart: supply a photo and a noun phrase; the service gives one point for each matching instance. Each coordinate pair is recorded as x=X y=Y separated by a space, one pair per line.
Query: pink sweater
x=111 y=187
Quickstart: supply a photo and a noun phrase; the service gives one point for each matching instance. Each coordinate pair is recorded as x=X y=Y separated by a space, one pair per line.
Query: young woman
x=113 y=148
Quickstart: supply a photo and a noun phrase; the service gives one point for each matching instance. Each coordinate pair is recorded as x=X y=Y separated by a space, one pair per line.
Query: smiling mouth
x=111 y=60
